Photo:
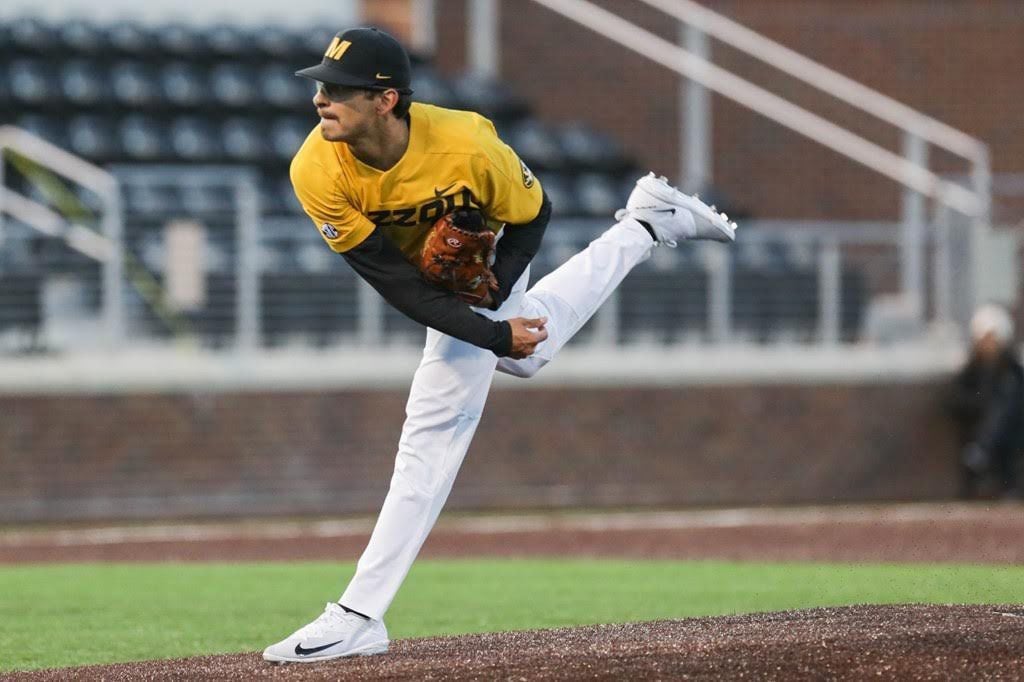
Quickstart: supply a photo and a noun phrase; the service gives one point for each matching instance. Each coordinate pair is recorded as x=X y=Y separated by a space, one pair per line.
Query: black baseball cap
x=363 y=58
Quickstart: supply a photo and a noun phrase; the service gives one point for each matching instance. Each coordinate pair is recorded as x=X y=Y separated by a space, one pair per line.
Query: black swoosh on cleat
x=663 y=210
x=302 y=651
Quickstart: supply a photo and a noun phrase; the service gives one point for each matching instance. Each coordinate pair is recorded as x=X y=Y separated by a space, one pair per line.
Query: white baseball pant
x=447 y=398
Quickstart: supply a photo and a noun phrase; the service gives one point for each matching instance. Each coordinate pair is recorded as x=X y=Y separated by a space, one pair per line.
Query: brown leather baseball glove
x=457 y=255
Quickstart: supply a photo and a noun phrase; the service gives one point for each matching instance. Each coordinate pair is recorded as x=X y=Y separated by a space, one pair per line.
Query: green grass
x=61 y=615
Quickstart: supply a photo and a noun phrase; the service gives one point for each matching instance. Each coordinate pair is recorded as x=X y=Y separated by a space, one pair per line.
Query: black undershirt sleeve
x=516 y=248
x=378 y=261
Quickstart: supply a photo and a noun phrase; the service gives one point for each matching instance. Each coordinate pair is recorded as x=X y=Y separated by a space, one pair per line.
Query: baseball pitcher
x=415 y=197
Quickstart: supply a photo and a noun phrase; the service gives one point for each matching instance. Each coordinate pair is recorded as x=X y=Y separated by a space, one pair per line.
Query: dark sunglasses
x=342 y=93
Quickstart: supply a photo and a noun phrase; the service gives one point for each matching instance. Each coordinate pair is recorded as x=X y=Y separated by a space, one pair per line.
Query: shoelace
x=331 y=618
x=624 y=213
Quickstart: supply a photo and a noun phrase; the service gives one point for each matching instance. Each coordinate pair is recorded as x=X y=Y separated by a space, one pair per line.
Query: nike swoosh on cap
x=382 y=77
x=302 y=651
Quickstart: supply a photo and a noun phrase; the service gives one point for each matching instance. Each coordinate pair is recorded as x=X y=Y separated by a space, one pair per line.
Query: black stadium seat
x=287 y=134
x=281 y=88
x=182 y=84
x=142 y=138
x=31 y=36
x=82 y=37
x=489 y=97
x=226 y=40
x=46 y=127
x=233 y=84
x=561 y=192
x=429 y=87
x=277 y=43
x=30 y=81
x=587 y=149
x=82 y=83
x=597 y=195
x=131 y=39
x=150 y=200
x=93 y=137
x=536 y=143
x=180 y=40
x=194 y=139
x=135 y=84
x=243 y=139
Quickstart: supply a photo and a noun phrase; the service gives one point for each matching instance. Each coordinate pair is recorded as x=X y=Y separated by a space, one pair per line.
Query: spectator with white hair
x=988 y=402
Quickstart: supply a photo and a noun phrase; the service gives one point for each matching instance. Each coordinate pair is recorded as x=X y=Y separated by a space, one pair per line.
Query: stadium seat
x=287 y=134
x=662 y=306
x=180 y=41
x=233 y=85
x=93 y=137
x=131 y=39
x=278 y=43
x=201 y=199
x=227 y=40
x=281 y=88
x=289 y=201
x=82 y=83
x=30 y=81
x=587 y=149
x=597 y=195
x=142 y=138
x=28 y=35
x=182 y=84
x=559 y=189
x=429 y=87
x=21 y=305
x=537 y=144
x=150 y=200
x=134 y=84
x=82 y=37
x=46 y=127
x=194 y=139
x=491 y=98
x=243 y=139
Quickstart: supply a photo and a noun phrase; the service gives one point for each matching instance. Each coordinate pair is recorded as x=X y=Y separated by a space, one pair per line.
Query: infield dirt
x=851 y=643
x=909 y=642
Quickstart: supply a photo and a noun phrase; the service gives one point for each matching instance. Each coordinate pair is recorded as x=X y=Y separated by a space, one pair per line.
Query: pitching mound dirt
x=854 y=643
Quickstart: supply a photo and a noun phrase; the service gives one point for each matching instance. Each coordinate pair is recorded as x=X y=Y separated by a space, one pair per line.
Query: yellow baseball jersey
x=455 y=159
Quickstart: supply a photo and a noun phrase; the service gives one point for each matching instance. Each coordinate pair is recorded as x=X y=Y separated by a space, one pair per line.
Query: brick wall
x=956 y=60
x=144 y=456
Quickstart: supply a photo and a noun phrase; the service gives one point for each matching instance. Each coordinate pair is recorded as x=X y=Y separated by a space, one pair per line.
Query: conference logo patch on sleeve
x=329 y=231
x=528 y=178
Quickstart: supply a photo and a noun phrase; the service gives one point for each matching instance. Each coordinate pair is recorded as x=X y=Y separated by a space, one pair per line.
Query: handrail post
x=606 y=322
x=247 y=275
x=719 y=269
x=483 y=45
x=829 y=292
x=113 y=268
x=981 y=224
x=424 y=26
x=370 y=320
x=942 y=265
x=912 y=220
x=695 y=110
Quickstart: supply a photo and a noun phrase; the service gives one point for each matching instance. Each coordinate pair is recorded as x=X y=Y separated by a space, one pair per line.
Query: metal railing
x=909 y=168
x=104 y=247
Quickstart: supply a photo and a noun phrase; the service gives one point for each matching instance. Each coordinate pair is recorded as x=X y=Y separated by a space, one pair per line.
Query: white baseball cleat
x=334 y=634
x=673 y=215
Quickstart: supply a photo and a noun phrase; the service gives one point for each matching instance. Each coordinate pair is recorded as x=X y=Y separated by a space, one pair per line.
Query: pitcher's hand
x=526 y=334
